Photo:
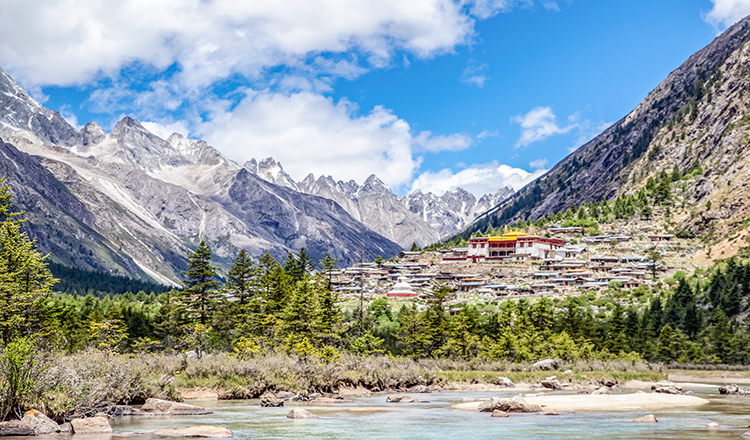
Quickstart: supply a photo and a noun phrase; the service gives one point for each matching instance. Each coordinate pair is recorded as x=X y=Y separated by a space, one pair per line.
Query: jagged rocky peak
x=307 y=183
x=19 y=111
x=271 y=171
x=373 y=185
x=193 y=150
x=92 y=134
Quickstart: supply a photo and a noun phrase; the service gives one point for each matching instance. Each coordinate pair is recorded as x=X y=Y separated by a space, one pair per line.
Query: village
x=555 y=261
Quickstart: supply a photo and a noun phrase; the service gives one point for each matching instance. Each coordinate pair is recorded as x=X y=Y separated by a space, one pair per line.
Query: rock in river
x=166 y=407
x=299 y=413
x=646 y=419
x=40 y=423
x=91 y=425
x=516 y=404
x=15 y=427
x=404 y=399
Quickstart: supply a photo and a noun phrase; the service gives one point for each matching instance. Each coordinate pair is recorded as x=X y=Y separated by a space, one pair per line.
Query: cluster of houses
x=514 y=263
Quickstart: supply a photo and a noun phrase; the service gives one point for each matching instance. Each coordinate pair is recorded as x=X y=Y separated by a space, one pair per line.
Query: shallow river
x=372 y=418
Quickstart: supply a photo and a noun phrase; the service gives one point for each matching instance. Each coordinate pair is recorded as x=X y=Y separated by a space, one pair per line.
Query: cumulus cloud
x=478 y=179
x=587 y=130
x=213 y=40
x=727 y=12
x=308 y=132
x=539 y=124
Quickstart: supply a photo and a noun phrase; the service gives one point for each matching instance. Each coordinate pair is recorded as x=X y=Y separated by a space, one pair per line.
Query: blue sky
x=427 y=94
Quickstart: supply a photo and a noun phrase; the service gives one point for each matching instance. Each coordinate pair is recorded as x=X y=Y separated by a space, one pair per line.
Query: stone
x=602 y=390
x=551 y=383
x=665 y=384
x=167 y=407
x=193 y=431
x=330 y=400
x=271 y=402
x=40 y=423
x=650 y=418
x=713 y=425
x=546 y=364
x=91 y=425
x=404 y=399
x=667 y=390
x=609 y=382
x=549 y=412
x=285 y=395
x=504 y=381
x=299 y=413
x=66 y=428
x=516 y=404
x=498 y=413
x=15 y=427
x=734 y=389
x=313 y=396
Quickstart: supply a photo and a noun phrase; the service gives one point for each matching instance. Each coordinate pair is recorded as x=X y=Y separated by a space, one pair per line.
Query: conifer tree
x=201 y=286
x=25 y=281
x=241 y=278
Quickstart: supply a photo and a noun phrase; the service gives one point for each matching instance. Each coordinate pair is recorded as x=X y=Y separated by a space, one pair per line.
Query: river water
x=372 y=418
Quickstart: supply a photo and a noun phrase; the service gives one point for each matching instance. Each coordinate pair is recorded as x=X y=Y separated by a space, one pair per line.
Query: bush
x=22 y=367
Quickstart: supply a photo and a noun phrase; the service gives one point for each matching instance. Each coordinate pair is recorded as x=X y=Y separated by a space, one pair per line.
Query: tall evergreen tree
x=201 y=285
x=25 y=281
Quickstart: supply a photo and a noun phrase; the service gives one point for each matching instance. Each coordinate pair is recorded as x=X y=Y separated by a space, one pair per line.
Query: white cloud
x=539 y=124
x=69 y=116
x=727 y=12
x=213 y=40
x=550 y=5
x=487 y=133
x=427 y=142
x=539 y=164
x=474 y=74
x=310 y=133
x=478 y=179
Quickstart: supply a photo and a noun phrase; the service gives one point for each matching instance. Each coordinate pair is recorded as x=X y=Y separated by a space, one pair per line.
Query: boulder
x=551 y=383
x=665 y=384
x=609 y=382
x=498 y=413
x=549 y=412
x=330 y=400
x=646 y=419
x=40 y=423
x=66 y=428
x=15 y=427
x=192 y=431
x=404 y=399
x=734 y=389
x=602 y=390
x=271 y=402
x=91 y=425
x=547 y=364
x=713 y=425
x=667 y=390
x=504 y=381
x=166 y=407
x=299 y=413
x=285 y=395
x=516 y=404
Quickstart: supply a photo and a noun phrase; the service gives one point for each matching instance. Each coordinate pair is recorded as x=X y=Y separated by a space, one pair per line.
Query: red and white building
x=512 y=245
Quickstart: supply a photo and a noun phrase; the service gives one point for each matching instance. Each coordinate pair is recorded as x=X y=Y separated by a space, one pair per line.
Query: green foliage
x=201 y=292
x=21 y=368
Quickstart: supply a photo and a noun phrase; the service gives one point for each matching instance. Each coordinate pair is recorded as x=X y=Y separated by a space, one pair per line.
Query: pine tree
x=242 y=278
x=201 y=286
x=25 y=281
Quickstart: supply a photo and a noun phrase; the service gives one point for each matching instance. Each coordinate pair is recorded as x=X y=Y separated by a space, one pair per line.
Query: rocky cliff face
x=131 y=203
x=698 y=112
